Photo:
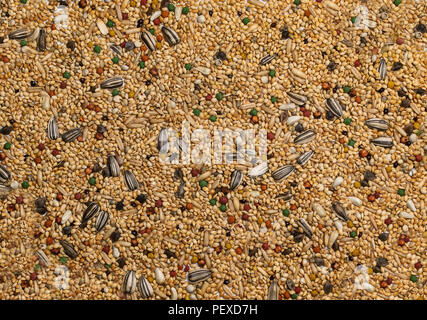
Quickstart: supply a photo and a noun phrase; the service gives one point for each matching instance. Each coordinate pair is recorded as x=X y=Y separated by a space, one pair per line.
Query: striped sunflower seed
x=69 y=249
x=304 y=157
x=20 y=34
x=112 y=83
x=305 y=227
x=379 y=124
x=273 y=290
x=117 y=49
x=52 y=129
x=129 y=282
x=236 y=179
x=41 y=41
x=101 y=220
x=145 y=288
x=170 y=36
x=382 y=69
x=199 y=275
x=286 y=196
x=340 y=210
x=297 y=98
x=113 y=166
x=334 y=106
x=305 y=137
x=267 y=59
x=283 y=172
x=149 y=40
x=71 y=135
x=92 y=209
x=4 y=174
x=385 y=142
x=181 y=191
x=130 y=180
x=44 y=260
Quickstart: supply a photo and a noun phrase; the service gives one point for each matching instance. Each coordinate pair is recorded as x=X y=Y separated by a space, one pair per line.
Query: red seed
x=63 y=85
x=40 y=146
x=388 y=221
x=418 y=265
x=194 y=172
x=383 y=284
x=270 y=136
x=19 y=200
x=338 y=31
x=187 y=268
x=208 y=97
x=302 y=109
x=223 y=200
x=377 y=194
x=78 y=196
x=106 y=249
x=357 y=63
x=245 y=217
x=156 y=21
x=125 y=16
x=265 y=246
x=33 y=276
x=418 y=158
x=389 y=280
x=173 y=273
x=159 y=203
x=400 y=41
x=143 y=2
x=180 y=266
x=371 y=198
x=306 y=113
x=297 y=290
x=246 y=207
x=406 y=238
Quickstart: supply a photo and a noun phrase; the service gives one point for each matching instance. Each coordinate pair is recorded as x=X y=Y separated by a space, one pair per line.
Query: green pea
x=246 y=21
x=353 y=19
x=397 y=2
x=223 y=207
x=286 y=212
x=66 y=75
x=63 y=260
x=115 y=92
x=272 y=73
x=212 y=118
x=351 y=143
x=171 y=7
x=353 y=234
x=274 y=99
x=347 y=121
x=188 y=66
x=7 y=146
x=115 y=60
x=401 y=192
x=346 y=89
x=97 y=49
x=185 y=10
x=203 y=183
x=92 y=181
x=413 y=278
x=23 y=43
x=25 y=184
x=212 y=202
x=110 y=24
x=196 y=112
x=219 y=96
x=297 y=2
x=253 y=112
x=141 y=64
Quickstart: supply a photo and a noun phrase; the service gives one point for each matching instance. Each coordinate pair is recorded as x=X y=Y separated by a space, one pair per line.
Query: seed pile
x=88 y=88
